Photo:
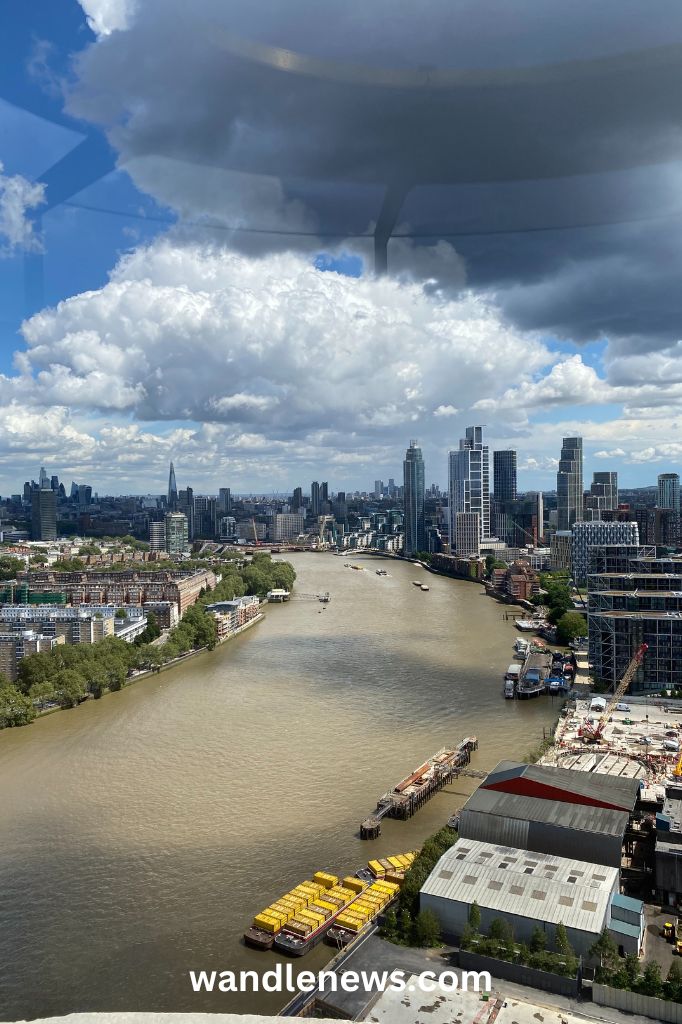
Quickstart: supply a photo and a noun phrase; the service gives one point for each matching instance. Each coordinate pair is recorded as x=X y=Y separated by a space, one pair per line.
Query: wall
x=633 y=1002
x=522 y=975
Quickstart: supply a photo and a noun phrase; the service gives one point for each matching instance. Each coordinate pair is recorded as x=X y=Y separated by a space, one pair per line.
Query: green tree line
x=71 y=672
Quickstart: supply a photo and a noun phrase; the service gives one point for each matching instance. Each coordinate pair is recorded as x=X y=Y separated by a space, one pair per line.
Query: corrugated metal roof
x=627 y=902
x=607 y=788
x=552 y=812
x=532 y=885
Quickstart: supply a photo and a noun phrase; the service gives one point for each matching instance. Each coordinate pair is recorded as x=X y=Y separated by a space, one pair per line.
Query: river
x=140 y=833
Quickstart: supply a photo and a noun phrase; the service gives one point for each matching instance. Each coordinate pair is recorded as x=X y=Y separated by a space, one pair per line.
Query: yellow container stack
x=356 y=884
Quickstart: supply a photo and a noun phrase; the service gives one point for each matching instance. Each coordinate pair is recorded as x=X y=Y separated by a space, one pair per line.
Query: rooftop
x=532 y=885
x=548 y=782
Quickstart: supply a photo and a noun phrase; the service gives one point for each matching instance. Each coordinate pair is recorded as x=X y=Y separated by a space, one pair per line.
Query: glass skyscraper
x=504 y=475
x=413 y=480
x=669 y=491
x=569 y=483
x=469 y=490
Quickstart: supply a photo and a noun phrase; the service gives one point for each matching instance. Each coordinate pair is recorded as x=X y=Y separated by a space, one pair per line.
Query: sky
x=188 y=198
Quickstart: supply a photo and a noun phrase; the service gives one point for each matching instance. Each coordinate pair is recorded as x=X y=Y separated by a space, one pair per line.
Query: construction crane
x=593 y=733
x=255 y=533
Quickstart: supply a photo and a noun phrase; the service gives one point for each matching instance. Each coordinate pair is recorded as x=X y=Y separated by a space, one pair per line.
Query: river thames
x=141 y=833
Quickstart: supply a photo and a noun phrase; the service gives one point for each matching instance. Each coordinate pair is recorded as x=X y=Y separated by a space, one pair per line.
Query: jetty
x=415 y=789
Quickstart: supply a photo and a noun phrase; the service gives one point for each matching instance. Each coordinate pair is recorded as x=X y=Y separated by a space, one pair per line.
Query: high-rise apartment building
x=157 y=536
x=297 y=499
x=587 y=535
x=44 y=513
x=669 y=491
x=413 y=489
x=324 y=495
x=504 y=475
x=177 y=534
x=315 y=499
x=469 y=488
x=205 y=517
x=569 y=484
x=287 y=525
x=185 y=504
x=602 y=496
x=224 y=501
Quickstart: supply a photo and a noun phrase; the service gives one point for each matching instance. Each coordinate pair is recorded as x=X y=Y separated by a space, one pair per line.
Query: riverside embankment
x=142 y=832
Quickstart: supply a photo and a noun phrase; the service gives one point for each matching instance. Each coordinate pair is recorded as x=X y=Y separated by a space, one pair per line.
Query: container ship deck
x=305 y=915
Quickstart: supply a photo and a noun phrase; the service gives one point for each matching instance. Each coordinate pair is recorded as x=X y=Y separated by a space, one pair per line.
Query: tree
x=69 y=565
x=561 y=942
x=389 y=926
x=538 y=940
x=673 y=983
x=122 y=614
x=606 y=952
x=570 y=625
x=15 y=707
x=499 y=930
x=41 y=692
x=427 y=929
x=406 y=925
x=9 y=567
x=69 y=687
x=475 y=916
x=36 y=668
x=650 y=983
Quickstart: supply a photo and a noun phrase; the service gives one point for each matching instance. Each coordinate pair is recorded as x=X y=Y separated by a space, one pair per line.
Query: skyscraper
x=469 y=489
x=297 y=499
x=569 y=483
x=324 y=493
x=177 y=540
x=172 y=488
x=669 y=491
x=315 y=499
x=602 y=497
x=504 y=475
x=225 y=501
x=413 y=481
x=43 y=513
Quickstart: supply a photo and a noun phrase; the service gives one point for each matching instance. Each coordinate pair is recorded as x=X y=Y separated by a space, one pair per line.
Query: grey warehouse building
x=531 y=889
x=553 y=811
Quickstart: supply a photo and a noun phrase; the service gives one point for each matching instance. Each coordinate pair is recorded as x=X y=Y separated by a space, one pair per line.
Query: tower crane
x=593 y=733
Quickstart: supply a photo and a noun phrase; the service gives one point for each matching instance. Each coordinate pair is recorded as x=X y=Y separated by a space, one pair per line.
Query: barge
x=301 y=918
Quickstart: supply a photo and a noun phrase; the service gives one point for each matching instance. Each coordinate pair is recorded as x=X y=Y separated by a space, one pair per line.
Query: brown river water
x=139 y=834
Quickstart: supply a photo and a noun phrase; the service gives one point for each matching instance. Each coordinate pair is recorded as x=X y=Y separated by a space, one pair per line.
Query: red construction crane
x=593 y=733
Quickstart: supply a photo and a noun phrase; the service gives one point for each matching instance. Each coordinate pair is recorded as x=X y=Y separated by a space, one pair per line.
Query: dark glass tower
x=504 y=475
x=413 y=480
x=172 y=489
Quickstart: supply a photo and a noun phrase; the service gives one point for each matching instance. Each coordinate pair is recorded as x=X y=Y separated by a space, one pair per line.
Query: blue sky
x=101 y=399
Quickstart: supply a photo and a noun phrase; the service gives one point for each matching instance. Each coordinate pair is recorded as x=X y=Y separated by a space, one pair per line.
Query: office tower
x=224 y=501
x=504 y=475
x=172 y=488
x=177 y=537
x=391 y=487
x=43 y=514
x=324 y=492
x=669 y=491
x=378 y=488
x=315 y=499
x=157 y=536
x=185 y=504
x=205 y=517
x=569 y=483
x=469 y=490
x=287 y=525
x=43 y=480
x=413 y=484
x=54 y=483
x=297 y=499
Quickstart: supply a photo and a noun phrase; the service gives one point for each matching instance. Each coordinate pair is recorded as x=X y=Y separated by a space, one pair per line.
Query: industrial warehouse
x=542 y=846
x=527 y=889
x=550 y=810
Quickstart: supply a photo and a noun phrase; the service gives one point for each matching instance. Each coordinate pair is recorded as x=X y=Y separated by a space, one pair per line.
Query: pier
x=415 y=789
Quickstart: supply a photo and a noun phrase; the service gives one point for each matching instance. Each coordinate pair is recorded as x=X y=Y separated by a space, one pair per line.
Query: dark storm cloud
x=482 y=117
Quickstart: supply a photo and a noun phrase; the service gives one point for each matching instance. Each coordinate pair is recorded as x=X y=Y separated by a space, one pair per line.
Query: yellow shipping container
x=309 y=915
x=324 y=879
x=324 y=912
x=352 y=926
x=288 y=912
x=395 y=877
x=268 y=924
x=300 y=927
x=356 y=884
x=377 y=869
x=404 y=860
x=327 y=905
x=394 y=862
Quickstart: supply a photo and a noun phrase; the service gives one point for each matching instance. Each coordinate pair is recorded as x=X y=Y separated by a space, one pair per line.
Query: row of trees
x=500 y=943
x=627 y=973
x=558 y=599
x=69 y=673
x=408 y=926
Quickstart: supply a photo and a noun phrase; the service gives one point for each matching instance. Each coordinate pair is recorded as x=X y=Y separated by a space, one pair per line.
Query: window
x=469 y=880
x=495 y=885
x=445 y=874
x=566 y=901
x=516 y=890
x=587 y=905
x=537 y=894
